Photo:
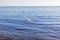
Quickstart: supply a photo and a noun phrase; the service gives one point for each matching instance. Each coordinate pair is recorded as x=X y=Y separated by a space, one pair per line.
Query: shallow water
x=41 y=22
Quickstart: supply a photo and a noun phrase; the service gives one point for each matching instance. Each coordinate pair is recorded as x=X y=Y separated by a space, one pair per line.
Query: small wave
x=39 y=23
x=10 y=24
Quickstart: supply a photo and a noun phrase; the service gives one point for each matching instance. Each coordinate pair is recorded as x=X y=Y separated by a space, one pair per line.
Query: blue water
x=35 y=21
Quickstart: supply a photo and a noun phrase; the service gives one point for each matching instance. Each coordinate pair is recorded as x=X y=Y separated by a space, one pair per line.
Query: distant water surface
x=41 y=21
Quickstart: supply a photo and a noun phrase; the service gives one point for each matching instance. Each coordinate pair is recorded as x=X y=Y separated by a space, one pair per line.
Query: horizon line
x=52 y=6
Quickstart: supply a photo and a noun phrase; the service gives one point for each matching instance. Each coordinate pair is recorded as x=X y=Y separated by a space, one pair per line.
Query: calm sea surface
x=41 y=21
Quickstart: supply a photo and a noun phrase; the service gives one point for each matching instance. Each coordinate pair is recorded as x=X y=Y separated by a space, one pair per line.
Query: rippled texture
x=42 y=22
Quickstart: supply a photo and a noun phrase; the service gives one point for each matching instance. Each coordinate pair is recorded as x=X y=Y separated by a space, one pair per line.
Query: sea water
x=40 y=21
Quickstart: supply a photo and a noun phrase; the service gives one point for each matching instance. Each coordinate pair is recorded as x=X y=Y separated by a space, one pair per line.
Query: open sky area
x=29 y=2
